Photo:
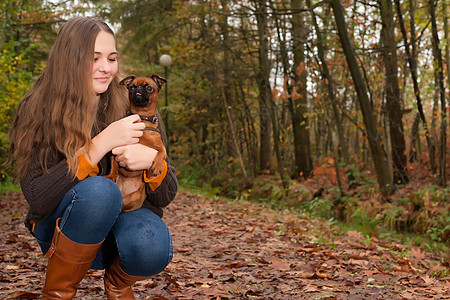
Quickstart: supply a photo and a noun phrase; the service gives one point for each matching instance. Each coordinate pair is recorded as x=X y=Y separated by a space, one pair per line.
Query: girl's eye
x=112 y=59
x=95 y=59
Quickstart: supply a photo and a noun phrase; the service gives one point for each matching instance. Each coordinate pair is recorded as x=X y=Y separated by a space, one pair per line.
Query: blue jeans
x=91 y=213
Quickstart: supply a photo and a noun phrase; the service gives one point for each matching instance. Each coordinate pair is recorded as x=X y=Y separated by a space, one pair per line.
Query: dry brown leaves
x=241 y=250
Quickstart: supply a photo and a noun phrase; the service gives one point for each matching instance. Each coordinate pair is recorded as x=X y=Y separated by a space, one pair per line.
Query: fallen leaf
x=310 y=288
x=279 y=264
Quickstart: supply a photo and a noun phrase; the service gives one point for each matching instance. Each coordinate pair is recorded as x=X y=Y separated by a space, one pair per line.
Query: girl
x=64 y=132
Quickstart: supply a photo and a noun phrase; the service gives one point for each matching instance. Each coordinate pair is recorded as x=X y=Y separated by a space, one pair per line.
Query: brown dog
x=143 y=96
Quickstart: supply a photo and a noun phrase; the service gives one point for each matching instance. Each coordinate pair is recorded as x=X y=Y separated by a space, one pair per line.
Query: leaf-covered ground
x=241 y=250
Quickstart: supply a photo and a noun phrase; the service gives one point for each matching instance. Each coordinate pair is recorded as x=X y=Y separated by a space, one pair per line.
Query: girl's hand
x=135 y=157
x=125 y=131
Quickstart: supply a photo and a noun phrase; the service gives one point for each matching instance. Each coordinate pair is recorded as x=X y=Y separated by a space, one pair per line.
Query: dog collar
x=153 y=119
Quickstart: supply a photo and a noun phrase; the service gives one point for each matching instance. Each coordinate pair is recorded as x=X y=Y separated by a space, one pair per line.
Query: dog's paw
x=157 y=166
x=156 y=170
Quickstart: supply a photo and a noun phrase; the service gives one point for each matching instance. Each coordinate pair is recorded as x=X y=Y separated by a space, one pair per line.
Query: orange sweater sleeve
x=86 y=168
x=155 y=181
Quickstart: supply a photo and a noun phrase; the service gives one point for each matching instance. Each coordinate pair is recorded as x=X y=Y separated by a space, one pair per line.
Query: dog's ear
x=158 y=80
x=127 y=80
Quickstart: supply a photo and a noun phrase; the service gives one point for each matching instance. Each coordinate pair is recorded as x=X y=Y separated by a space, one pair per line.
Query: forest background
x=334 y=108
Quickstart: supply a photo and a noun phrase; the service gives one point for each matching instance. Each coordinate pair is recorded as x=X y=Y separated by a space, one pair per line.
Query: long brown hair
x=59 y=113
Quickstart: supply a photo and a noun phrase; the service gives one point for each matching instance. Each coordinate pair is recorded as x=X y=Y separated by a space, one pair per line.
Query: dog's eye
x=132 y=87
x=149 y=88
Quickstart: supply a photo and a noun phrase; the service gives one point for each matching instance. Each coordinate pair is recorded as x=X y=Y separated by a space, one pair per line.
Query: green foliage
x=435 y=234
x=392 y=215
x=25 y=35
x=144 y=25
x=364 y=223
x=15 y=79
x=8 y=186
x=357 y=175
x=267 y=190
x=219 y=178
x=318 y=207
x=432 y=212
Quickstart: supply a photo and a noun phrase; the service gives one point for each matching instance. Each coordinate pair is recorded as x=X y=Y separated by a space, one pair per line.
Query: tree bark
x=299 y=100
x=328 y=79
x=225 y=87
x=380 y=162
x=447 y=39
x=438 y=64
x=225 y=81
x=249 y=131
x=393 y=106
x=265 y=93
x=413 y=67
x=234 y=137
x=267 y=112
x=414 y=135
x=275 y=123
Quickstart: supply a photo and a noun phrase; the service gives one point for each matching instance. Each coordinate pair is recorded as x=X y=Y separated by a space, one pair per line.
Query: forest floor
x=242 y=250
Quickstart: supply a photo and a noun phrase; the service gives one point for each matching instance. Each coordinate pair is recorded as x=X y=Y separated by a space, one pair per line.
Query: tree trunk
x=381 y=164
x=393 y=106
x=413 y=137
x=265 y=93
x=250 y=132
x=275 y=123
x=299 y=99
x=447 y=39
x=413 y=67
x=225 y=87
x=438 y=64
x=343 y=149
x=234 y=137
x=225 y=81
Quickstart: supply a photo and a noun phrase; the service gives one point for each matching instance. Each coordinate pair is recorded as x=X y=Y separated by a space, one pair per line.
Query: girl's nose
x=104 y=66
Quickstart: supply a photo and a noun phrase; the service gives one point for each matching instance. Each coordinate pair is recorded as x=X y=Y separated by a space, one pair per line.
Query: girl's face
x=105 y=65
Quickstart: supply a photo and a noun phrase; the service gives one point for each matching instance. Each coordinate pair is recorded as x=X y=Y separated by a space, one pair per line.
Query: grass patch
x=8 y=186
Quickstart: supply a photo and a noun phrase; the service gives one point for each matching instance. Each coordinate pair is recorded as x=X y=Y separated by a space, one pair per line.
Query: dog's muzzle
x=140 y=97
x=140 y=101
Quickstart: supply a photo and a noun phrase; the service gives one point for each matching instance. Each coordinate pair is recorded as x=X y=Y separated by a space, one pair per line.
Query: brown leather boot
x=67 y=265
x=118 y=283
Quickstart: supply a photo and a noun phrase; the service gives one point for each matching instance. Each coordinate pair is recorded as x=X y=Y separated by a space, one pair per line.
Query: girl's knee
x=101 y=187
x=103 y=191
x=95 y=205
x=149 y=258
